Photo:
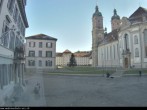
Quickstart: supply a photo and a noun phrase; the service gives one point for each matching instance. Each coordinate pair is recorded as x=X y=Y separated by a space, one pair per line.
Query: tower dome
x=97 y=13
x=115 y=16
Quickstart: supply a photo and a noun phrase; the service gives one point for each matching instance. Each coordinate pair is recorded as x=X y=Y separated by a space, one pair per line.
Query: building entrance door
x=126 y=62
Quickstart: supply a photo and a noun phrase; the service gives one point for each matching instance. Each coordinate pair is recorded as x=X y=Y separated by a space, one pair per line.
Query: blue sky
x=70 y=21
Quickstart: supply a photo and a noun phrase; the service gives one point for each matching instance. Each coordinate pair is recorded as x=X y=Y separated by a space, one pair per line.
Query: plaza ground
x=78 y=88
x=95 y=90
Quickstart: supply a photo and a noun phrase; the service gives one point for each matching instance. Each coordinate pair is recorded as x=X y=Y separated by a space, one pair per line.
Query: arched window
x=136 y=52
x=126 y=40
x=135 y=39
x=145 y=41
x=12 y=38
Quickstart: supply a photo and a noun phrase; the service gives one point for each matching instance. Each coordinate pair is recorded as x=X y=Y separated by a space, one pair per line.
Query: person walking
x=140 y=73
x=108 y=75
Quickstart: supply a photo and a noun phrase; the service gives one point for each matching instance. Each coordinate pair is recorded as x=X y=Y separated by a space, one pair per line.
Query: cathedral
x=125 y=46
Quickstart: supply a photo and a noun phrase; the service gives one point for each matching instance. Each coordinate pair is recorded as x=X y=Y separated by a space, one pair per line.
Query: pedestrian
x=37 y=88
x=108 y=75
x=140 y=73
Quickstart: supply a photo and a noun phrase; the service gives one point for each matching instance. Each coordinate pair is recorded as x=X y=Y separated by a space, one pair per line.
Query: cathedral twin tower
x=98 y=32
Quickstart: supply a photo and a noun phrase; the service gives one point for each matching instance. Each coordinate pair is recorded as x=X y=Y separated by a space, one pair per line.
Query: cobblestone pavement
x=28 y=97
x=82 y=91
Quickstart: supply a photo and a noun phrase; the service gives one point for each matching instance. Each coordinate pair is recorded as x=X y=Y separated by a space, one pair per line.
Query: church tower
x=97 y=34
x=115 y=21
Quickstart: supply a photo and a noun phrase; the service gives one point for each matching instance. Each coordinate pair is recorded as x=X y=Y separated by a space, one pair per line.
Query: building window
x=48 y=53
x=18 y=21
x=29 y=44
x=11 y=5
x=17 y=42
x=126 y=40
x=40 y=44
x=40 y=53
x=32 y=44
x=135 y=39
x=107 y=53
x=49 y=63
x=136 y=52
x=114 y=50
x=12 y=40
x=31 y=53
x=49 y=45
x=110 y=52
x=31 y=63
x=22 y=29
x=5 y=37
x=145 y=41
x=1 y=2
x=15 y=14
x=40 y=63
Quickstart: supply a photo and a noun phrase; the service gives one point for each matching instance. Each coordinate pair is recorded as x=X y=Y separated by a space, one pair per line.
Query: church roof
x=139 y=12
x=41 y=37
x=97 y=13
x=110 y=37
x=115 y=16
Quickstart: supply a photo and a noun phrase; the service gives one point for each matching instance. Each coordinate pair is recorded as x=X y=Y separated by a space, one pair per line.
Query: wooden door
x=126 y=62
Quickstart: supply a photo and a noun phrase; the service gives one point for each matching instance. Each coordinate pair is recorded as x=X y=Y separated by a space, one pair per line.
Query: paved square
x=80 y=90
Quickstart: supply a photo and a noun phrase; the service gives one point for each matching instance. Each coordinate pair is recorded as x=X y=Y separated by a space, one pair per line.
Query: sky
x=70 y=21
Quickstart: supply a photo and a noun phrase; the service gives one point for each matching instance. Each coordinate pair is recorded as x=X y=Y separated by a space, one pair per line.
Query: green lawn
x=135 y=71
x=82 y=70
x=92 y=70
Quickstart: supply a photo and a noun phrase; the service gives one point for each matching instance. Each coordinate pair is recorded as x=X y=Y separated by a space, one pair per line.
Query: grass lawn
x=82 y=70
x=135 y=71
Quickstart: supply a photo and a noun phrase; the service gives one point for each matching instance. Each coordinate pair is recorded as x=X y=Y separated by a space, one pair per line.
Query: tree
x=72 y=61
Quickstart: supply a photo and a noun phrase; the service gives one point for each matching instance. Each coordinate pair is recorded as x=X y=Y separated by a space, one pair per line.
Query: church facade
x=125 y=46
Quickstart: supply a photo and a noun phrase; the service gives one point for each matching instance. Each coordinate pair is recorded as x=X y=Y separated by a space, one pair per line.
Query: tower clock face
x=99 y=36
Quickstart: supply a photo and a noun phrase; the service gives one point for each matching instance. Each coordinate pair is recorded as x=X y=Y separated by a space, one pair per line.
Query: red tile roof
x=76 y=54
x=67 y=51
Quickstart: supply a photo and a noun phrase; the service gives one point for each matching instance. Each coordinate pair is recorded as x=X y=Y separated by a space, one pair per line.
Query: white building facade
x=82 y=58
x=40 y=52
x=125 y=46
x=13 y=23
